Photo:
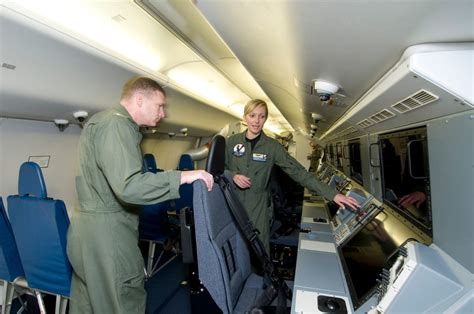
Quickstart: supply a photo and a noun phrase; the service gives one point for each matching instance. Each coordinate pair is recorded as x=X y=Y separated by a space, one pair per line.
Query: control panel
x=326 y=175
x=347 y=221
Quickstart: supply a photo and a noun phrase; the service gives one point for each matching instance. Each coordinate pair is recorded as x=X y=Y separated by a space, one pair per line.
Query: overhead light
x=76 y=17
x=238 y=108
x=123 y=35
x=214 y=88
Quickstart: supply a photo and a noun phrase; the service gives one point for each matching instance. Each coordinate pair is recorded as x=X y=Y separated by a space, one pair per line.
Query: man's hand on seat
x=193 y=175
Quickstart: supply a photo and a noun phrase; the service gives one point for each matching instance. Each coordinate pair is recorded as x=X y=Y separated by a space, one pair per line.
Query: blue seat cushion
x=185 y=199
x=10 y=263
x=154 y=224
x=40 y=227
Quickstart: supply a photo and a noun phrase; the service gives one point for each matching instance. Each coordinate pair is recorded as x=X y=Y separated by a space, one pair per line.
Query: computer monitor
x=371 y=249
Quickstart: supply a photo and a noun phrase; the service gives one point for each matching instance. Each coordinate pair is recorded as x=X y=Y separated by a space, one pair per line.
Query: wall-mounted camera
x=80 y=116
x=61 y=124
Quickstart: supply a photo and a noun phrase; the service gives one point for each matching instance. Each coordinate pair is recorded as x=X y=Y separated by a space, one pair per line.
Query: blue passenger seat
x=154 y=227
x=185 y=190
x=149 y=164
x=184 y=208
x=40 y=226
x=11 y=269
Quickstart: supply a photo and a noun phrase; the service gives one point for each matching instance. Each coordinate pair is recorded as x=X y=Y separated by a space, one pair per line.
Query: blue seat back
x=185 y=190
x=154 y=223
x=149 y=163
x=185 y=162
x=40 y=226
x=153 y=220
x=10 y=263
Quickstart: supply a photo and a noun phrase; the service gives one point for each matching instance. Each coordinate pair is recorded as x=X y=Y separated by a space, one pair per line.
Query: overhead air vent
x=348 y=131
x=365 y=123
x=414 y=101
x=382 y=116
x=345 y=132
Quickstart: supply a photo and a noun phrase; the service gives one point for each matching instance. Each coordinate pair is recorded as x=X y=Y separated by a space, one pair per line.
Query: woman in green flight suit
x=251 y=155
x=108 y=273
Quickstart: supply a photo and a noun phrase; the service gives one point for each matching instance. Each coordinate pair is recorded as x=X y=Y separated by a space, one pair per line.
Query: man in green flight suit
x=108 y=269
x=251 y=155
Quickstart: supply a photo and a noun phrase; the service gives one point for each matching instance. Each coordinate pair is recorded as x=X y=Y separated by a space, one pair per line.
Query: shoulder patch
x=239 y=150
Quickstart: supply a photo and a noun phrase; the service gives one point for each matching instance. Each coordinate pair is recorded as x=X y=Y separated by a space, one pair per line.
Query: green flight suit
x=108 y=274
x=257 y=165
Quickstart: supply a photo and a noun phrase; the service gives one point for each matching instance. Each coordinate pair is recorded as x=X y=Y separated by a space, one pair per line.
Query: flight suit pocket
x=132 y=294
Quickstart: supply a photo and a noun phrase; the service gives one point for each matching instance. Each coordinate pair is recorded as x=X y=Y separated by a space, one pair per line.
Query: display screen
x=371 y=249
x=405 y=174
x=334 y=181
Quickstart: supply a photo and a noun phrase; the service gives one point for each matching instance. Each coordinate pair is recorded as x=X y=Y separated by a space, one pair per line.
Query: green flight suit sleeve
x=119 y=157
x=299 y=174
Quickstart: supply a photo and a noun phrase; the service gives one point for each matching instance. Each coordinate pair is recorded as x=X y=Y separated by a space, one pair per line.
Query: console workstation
x=373 y=260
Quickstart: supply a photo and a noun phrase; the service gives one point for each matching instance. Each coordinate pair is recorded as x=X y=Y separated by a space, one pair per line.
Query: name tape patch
x=259 y=157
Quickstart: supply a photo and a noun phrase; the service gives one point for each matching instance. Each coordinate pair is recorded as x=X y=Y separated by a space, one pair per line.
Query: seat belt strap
x=275 y=285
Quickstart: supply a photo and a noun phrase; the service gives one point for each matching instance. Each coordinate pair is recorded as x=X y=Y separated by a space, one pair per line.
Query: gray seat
x=222 y=253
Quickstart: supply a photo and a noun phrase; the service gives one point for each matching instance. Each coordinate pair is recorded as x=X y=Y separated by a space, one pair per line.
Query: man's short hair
x=140 y=84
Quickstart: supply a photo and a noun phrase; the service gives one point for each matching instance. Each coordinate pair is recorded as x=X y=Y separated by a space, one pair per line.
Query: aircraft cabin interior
x=374 y=99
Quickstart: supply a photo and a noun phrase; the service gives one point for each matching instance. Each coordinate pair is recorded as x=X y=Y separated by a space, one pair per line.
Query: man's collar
x=123 y=112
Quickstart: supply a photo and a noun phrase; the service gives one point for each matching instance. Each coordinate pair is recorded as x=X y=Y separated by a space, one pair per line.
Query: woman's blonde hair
x=254 y=103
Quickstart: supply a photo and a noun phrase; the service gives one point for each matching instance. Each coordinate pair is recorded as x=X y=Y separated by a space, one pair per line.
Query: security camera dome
x=61 y=124
x=324 y=96
x=325 y=89
x=81 y=115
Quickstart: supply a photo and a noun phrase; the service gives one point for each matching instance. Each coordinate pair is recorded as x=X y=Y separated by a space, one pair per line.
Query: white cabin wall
x=451 y=163
x=303 y=150
x=20 y=139
x=167 y=151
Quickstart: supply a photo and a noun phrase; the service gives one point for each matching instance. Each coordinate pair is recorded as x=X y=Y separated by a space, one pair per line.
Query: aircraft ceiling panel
x=54 y=77
x=350 y=43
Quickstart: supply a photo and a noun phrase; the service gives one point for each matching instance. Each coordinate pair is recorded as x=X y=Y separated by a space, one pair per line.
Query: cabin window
x=405 y=172
x=331 y=153
x=355 y=163
x=339 y=156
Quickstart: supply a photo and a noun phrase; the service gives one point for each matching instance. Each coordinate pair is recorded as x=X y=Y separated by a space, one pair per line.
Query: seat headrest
x=149 y=163
x=215 y=164
x=186 y=163
x=31 y=181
